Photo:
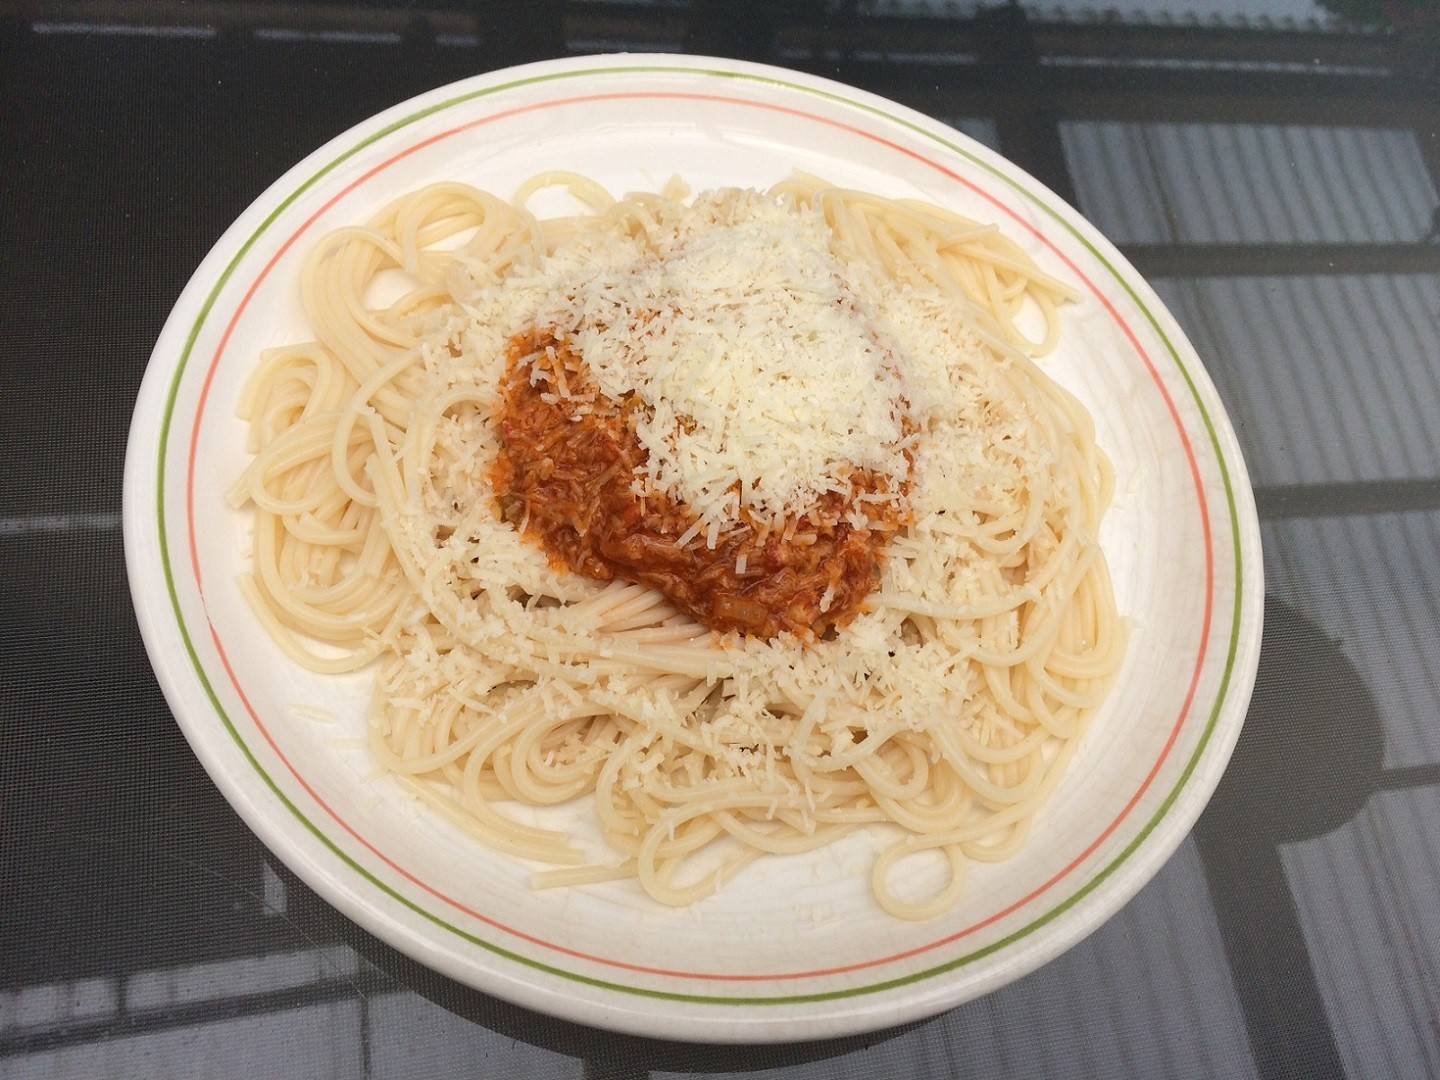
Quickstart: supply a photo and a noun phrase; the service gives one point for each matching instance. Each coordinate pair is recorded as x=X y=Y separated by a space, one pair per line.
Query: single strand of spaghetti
x=688 y=659
x=612 y=818
x=360 y=254
x=1042 y=624
x=895 y=261
x=779 y=842
x=1095 y=662
x=290 y=605
x=851 y=231
x=648 y=618
x=554 y=848
x=1074 y=695
x=665 y=633
x=921 y=817
x=378 y=606
x=998 y=851
x=287 y=403
x=1029 y=277
x=303 y=443
x=884 y=782
x=332 y=317
x=937 y=904
x=260 y=384
x=470 y=796
x=457 y=749
x=546 y=765
x=345 y=426
x=326 y=524
x=1023 y=745
x=605 y=599
x=1059 y=721
x=657 y=882
x=953 y=753
x=592 y=194
x=338 y=590
x=350 y=660
x=435 y=213
x=637 y=603
x=527 y=782
x=994 y=605
x=626 y=211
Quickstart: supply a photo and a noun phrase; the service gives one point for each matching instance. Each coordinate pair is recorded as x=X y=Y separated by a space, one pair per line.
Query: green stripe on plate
x=707 y=999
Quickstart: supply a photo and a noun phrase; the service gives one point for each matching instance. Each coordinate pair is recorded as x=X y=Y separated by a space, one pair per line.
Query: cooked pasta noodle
x=944 y=708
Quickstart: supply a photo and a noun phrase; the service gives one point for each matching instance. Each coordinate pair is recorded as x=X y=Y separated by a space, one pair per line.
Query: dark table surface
x=1272 y=168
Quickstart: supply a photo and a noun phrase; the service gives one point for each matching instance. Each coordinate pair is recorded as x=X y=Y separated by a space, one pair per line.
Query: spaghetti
x=839 y=568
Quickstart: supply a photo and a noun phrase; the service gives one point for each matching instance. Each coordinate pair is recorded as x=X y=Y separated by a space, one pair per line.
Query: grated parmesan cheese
x=763 y=380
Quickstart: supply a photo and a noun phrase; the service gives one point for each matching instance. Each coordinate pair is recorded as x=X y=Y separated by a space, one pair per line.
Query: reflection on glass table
x=1271 y=167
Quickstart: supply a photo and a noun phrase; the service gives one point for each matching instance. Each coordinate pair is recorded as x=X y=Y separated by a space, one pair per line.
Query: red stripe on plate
x=970 y=185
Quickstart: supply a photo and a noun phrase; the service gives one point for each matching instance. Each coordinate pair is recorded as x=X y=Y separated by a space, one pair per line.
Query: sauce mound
x=566 y=475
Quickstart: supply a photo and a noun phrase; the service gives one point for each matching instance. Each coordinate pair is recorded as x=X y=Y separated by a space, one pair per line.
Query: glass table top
x=1271 y=165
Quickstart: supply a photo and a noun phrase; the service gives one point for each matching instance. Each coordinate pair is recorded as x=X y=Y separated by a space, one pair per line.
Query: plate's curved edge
x=749 y=1024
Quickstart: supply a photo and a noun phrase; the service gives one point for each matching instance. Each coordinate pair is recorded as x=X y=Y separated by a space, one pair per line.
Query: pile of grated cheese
x=764 y=383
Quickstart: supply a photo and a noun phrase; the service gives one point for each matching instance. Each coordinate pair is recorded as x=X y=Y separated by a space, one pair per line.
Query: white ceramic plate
x=794 y=948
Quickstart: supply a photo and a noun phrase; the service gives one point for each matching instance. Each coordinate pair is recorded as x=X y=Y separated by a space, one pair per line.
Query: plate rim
x=1150 y=847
